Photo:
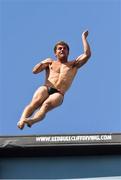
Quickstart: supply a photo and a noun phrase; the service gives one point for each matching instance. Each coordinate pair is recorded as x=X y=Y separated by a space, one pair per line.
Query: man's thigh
x=41 y=94
x=54 y=100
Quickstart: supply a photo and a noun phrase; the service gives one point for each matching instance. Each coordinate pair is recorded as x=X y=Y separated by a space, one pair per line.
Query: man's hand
x=85 y=34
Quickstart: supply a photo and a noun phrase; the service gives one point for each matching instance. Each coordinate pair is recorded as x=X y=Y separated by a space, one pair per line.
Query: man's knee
x=47 y=106
x=35 y=103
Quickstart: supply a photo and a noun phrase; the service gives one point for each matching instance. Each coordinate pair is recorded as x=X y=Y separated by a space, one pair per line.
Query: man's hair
x=61 y=43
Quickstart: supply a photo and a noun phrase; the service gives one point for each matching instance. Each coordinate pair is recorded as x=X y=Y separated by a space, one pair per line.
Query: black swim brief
x=52 y=90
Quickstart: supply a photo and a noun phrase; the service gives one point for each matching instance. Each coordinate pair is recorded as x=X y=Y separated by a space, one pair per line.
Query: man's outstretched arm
x=41 y=66
x=82 y=59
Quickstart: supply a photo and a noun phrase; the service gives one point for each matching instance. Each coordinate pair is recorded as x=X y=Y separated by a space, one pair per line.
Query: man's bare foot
x=29 y=122
x=20 y=124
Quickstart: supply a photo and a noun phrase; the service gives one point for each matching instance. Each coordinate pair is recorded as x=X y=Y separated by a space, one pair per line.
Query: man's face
x=61 y=52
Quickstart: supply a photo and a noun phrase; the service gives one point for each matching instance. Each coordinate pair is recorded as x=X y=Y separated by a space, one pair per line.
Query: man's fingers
x=85 y=33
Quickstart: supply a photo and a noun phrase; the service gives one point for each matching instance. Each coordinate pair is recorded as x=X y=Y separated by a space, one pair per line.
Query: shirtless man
x=59 y=76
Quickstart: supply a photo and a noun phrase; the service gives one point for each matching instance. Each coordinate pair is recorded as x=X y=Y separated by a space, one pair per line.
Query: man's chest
x=61 y=67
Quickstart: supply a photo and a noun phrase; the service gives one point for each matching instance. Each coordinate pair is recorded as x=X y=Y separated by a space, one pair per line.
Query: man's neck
x=64 y=60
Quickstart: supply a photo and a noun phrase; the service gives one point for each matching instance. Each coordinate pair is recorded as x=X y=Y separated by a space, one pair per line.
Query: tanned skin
x=59 y=75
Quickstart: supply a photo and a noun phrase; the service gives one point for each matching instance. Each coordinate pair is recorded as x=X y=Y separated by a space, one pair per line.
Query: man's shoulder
x=48 y=60
x=71 y=62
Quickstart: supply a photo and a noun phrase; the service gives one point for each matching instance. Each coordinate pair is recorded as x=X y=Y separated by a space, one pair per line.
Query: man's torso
x=60 y=75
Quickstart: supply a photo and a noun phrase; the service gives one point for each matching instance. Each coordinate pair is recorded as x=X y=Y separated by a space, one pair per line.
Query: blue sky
x=29 y=30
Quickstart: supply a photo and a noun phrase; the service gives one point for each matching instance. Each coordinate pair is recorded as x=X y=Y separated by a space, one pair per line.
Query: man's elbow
x=37 y=69
x=88 y=54
x=34 y=71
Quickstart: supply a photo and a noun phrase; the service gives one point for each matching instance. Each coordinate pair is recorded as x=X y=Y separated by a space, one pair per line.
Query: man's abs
x=61 y=81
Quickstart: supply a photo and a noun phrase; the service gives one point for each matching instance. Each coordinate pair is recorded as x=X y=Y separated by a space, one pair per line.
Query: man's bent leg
x=50 y=103
x=40 y=95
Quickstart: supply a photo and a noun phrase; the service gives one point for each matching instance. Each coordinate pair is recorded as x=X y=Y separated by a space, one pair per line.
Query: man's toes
x=29 y=125
x=28 y=122
x=20 y=125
